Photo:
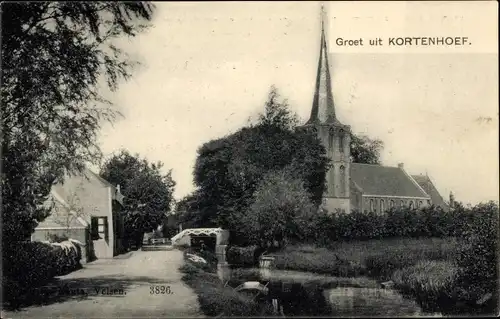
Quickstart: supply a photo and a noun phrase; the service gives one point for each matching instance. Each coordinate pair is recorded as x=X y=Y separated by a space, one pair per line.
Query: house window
x=391 y=204
x=420 y=204
x=372 y=204
x=99 y=227
x=342 y=181
x=411 y=204
x=382 y=205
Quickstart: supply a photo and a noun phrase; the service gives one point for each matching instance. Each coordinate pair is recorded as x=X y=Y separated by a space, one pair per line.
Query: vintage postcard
x=249 y=159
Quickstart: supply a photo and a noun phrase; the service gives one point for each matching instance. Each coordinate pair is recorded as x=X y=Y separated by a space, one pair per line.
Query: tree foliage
x=228 y=170
x=54 y=57
x=478 y=257
x=280 y=208
x=365 y=150
x=148 y=192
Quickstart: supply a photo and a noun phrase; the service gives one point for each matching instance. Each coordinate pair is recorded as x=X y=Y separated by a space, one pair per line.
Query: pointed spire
x=323 y=109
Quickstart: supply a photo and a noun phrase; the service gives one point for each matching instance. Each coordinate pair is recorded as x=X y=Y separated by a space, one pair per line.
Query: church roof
x=385 y=181
x=426 y=183
x=323 y=108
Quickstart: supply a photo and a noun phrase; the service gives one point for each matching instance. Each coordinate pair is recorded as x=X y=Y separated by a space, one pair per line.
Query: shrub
x=33 y=264
x=478 y=258
x=205 y=266
x=209 y=256
x=407 y=253
x=247 y=256
x=398 y=222
x=431 y=283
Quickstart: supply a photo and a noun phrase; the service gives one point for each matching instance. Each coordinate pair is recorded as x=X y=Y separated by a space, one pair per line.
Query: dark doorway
x=208 y=241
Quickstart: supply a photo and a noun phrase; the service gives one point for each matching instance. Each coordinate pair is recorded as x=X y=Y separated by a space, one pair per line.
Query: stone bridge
x=221 y=239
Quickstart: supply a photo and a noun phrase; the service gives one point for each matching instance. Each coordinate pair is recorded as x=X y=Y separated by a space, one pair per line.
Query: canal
x=299 y=293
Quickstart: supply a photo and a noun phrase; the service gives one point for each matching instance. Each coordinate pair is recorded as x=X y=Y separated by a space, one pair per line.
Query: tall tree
x=228 y=170
x=54 y=57
x=148 y=192
x=280 y=208
x=365 y=149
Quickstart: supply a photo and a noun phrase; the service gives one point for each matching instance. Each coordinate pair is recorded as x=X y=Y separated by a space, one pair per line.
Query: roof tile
x=385 y=181
x=426 y=183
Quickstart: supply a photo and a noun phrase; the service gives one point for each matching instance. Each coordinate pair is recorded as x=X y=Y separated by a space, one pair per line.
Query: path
x=130 y=279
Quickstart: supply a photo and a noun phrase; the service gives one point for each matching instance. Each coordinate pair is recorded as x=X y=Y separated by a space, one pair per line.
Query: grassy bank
x=423 y=269
x=214 y=298
x=376 y=258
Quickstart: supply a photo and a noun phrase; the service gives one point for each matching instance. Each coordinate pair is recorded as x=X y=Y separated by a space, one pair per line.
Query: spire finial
x=323 y=13
x=323 y=109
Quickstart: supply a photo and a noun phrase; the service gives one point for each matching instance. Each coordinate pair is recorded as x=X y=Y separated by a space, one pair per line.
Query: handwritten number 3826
x=157 y=290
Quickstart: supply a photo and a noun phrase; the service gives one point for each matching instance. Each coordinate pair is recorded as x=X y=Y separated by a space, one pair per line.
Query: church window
x=411 y=204
x=420 y=203
x=372 y=205
x=382 y=205
x=342 y=180
x=341 y=143
x=330 y=140
x=401 y=203
x=391 y=204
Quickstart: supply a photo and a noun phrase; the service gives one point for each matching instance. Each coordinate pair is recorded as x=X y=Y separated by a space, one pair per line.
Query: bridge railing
x=156 y=241
x=196 y=232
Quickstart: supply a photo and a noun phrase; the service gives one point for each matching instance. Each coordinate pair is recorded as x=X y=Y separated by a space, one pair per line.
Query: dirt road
x=146 y=284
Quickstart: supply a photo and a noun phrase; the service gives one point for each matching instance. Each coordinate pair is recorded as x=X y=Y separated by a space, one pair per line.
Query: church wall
x=380 y=204
x=356 y=199
x=338 y=177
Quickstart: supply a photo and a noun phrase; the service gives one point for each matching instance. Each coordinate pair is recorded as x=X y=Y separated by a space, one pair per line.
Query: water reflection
x=309 y=294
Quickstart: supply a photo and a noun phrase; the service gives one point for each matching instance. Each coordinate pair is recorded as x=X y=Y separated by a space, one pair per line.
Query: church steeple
x=333 y=135
x=323 y=108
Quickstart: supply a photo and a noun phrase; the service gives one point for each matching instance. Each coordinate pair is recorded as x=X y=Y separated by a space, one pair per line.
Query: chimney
x=401 y=165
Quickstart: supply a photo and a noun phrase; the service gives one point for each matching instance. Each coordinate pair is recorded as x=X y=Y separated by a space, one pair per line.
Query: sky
x=206 y=68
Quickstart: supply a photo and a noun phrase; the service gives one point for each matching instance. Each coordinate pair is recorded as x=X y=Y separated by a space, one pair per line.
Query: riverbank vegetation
x=377 y=258
x=452 y=275
x=265 y=182
x=214 y=297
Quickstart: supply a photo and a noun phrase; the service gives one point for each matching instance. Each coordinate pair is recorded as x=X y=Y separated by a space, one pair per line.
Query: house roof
x=100 y=179
x=426 y=183
x=117 y=195
x=385 y=181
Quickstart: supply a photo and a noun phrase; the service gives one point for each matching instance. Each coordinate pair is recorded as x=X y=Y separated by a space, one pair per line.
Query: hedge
x=245 y=256
x=31 y=264
x=397 y=222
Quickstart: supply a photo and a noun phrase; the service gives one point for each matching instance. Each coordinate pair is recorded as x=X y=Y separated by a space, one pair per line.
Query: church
x=355 y=186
